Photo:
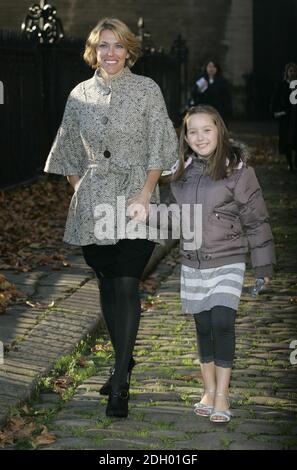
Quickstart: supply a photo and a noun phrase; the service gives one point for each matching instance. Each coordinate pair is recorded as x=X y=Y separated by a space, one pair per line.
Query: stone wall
x=221 y=29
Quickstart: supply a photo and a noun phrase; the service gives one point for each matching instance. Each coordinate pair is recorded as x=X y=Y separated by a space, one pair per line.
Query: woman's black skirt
x=127 y=258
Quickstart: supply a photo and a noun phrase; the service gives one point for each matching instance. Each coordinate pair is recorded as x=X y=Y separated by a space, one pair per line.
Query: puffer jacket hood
x=241 y=150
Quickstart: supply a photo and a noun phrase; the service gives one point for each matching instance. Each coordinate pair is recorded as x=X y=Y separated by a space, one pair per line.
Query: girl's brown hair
x=216 y=163
x=121 y=31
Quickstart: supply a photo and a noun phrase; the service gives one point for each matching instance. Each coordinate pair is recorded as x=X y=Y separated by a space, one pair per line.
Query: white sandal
x=218 y=416
x=201 y=409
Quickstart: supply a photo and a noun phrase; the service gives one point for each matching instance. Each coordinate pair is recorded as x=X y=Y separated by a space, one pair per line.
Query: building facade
x=249 y=38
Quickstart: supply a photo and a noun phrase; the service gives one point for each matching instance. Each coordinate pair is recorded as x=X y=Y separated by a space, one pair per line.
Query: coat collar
x=105 y=88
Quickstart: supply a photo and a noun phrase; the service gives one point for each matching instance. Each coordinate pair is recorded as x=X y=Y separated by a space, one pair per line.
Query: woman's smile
x=111 y=54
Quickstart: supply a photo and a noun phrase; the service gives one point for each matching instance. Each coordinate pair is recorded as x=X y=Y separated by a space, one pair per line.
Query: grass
x=168 y=443
x=25 y=444
x=103 y=423
x=97 y=438
x=75 y=368
x=231 y=426
x=164 y=426
x=225 y=442
x=76 y=431
x=186 y=399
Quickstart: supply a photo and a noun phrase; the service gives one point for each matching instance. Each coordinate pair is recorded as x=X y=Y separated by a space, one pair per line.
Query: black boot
x=106 y=388
x=117 y=405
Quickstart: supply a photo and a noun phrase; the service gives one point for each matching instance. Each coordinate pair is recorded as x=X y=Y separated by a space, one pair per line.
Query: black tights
x=121 y=308
x=216 y=335
x=118 y=269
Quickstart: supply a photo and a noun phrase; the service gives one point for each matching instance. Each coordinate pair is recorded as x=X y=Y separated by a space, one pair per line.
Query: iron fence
x=37 y=79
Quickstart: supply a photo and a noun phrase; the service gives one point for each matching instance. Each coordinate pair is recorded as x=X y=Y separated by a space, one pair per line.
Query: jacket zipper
x=197 y=203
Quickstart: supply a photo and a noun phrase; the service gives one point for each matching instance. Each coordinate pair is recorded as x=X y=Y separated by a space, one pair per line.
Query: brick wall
x=210 y=27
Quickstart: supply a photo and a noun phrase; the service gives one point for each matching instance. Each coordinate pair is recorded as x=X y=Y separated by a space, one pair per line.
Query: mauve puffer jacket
x=234 y=219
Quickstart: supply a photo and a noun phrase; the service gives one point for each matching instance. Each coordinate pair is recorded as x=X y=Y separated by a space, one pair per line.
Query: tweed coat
x=110 y=136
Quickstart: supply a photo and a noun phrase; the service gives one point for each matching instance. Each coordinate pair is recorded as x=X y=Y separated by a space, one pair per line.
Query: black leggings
x=118 y=269
x=216 y=335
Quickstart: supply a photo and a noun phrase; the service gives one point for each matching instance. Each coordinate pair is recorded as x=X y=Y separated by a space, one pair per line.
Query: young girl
x=212 y=171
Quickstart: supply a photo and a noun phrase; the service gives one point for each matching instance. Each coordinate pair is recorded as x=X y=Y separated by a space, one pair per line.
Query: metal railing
x=37 y=77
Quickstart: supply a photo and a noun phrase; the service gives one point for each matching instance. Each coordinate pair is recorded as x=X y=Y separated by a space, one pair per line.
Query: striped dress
x=203 y=289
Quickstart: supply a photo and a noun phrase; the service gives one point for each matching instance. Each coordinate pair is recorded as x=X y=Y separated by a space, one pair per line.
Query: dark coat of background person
x=217 y=95
x=288 y=122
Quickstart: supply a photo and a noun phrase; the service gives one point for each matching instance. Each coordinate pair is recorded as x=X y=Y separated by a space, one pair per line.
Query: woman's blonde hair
x=216 y=163
x=121 y=31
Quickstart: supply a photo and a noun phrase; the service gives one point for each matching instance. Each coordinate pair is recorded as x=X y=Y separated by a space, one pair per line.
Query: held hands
x=138 y=206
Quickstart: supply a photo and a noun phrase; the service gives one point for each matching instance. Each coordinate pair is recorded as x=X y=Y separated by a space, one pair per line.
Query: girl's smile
x=202 y=134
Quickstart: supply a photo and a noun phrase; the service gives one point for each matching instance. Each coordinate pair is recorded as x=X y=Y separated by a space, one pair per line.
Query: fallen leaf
x=16 y=423
x=82 y=361
x=62 y=383
x=26 y=431
x=32 y=218
x=188 y=378
x=26 y=410
x=6 y=437
x=100 y=347
x=45 y=439
x=35 y=245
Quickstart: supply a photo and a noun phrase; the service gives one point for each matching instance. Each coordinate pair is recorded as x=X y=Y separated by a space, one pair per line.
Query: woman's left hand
x=138 y=206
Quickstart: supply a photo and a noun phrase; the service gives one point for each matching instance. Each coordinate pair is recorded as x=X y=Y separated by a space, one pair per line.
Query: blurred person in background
x=286 y=114
x=212 y=88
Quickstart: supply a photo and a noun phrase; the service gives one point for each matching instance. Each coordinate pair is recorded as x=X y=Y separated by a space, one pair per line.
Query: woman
x=286 y=114
x=212 y=89
x=114 y=141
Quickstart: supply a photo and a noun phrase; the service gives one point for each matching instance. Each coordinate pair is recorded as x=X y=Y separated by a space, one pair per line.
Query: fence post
x=180 y=50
